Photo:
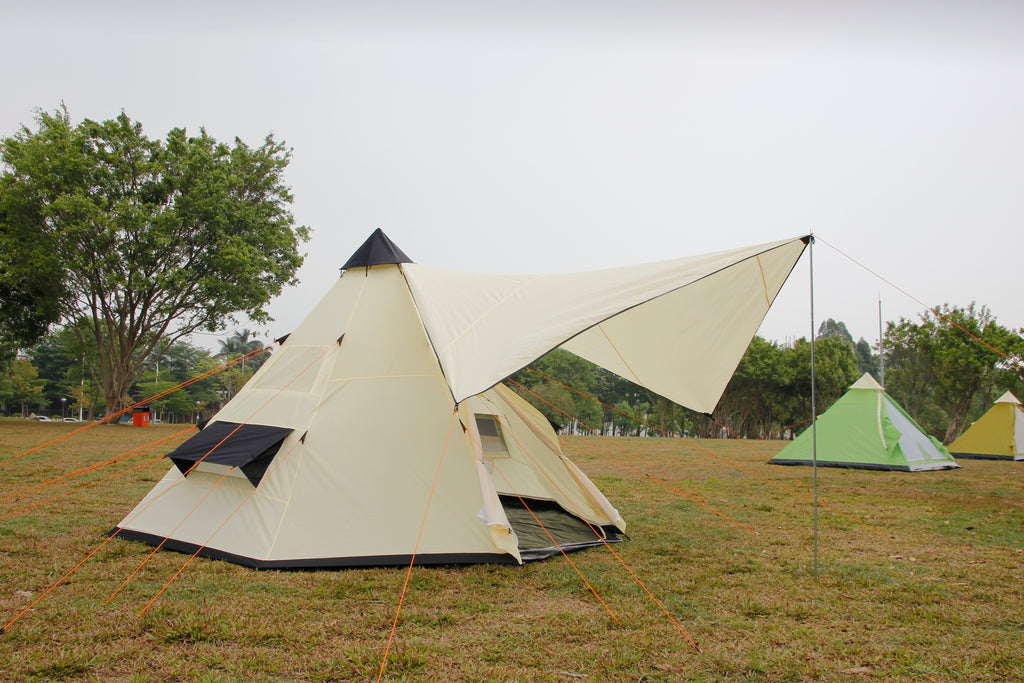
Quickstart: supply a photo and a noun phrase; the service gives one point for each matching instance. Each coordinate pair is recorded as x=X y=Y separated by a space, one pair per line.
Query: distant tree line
x=944 y=377
x=53 y=379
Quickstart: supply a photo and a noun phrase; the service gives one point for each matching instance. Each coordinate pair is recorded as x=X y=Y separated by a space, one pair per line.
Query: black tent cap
x=377 y=250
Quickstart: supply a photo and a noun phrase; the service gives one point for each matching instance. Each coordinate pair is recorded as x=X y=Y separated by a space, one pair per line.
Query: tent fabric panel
x=485 y=327
x=535 y=469
x=493 y=514
x=393 y=434
x=533 y=419
x=1018 y=432
x=912 y=442
x=293 y=368
x=384 y=337
x=277 y=408
x=917 y=446
x=208 y=510
x=328 y=320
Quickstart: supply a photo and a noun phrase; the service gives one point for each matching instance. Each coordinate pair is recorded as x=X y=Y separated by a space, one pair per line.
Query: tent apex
x=377 y=250
x=866 y=381
x=1008 y=397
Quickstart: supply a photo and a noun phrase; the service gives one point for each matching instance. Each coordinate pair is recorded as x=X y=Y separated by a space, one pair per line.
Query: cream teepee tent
x=383 y=411
x=997 y=435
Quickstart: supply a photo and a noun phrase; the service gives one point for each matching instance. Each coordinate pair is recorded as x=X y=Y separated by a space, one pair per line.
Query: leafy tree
x=240 y=344
x=151 y=240
x=866 y=361
x=26 y=389
x=830 y=328
x=567 y=369
x=960 y=363
x=629 y=419
x=752 y=400
x=52 y=361
x=835 y=370
x=945 y=369
x=908 y=375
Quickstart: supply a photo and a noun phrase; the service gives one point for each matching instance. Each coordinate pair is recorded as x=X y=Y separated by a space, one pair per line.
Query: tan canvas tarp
x=677 y=327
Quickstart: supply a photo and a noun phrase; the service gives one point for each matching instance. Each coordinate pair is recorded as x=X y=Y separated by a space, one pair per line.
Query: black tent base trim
x=857 y=465
x=365 y=562
x=983 y=456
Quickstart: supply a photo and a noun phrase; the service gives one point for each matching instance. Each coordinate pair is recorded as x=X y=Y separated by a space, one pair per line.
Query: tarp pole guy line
x=617 y=462
x=621 y=561
x=218 y=482
x=479 y=448
x=416 y=546
x=918 y=301
x=745 y=443
x=647 y=465
x=277 y=463
x=568 y=559
x=662 y=478
x=714 y=455
x=138 y=450
x=161 y=544
x=150 y=504
x=61 y=580
x=81 y=488
x=599 y=536
x=193 y=380
x=629 y=468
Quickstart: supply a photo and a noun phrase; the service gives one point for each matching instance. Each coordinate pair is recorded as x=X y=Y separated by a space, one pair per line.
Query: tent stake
x=814 y=412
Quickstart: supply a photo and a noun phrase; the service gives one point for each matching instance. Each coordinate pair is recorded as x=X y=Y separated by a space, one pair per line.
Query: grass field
x=939 y=600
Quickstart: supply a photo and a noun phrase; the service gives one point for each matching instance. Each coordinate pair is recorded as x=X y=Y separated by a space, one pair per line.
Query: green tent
x=866 y=429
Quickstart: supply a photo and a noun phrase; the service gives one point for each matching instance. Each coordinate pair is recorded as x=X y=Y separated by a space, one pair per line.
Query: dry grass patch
x=940 y=601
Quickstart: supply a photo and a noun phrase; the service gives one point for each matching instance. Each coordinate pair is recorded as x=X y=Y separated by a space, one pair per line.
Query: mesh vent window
x=492 y=441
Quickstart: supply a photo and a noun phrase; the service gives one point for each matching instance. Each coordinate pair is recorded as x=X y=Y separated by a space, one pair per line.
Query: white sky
x=570 y=135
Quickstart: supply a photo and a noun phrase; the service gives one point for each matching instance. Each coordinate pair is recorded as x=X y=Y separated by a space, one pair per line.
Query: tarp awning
x=677 y=327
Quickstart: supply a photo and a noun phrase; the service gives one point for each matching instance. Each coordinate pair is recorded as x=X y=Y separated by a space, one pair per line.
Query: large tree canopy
x=139 y=241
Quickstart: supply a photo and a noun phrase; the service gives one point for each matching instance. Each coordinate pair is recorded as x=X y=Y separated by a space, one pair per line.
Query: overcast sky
x=563 y=136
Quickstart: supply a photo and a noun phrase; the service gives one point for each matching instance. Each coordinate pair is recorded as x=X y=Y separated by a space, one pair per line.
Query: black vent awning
x=249 y=447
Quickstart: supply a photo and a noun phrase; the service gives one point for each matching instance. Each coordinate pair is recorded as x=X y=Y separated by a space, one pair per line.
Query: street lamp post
x=196 y=421
x=63 y=402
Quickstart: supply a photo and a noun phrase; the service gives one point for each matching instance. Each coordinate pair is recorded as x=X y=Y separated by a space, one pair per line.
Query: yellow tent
x=997 y=435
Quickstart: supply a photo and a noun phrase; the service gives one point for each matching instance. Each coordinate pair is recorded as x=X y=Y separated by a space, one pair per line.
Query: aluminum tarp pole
x=814 y=412
x=881 y=345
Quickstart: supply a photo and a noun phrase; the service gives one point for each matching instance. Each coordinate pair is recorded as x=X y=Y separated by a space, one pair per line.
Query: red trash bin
x=140 y=417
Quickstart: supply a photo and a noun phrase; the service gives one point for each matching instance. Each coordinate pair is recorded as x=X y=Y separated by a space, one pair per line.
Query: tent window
x=492 y=441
